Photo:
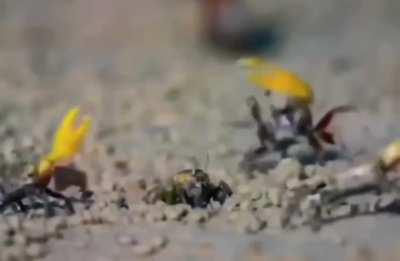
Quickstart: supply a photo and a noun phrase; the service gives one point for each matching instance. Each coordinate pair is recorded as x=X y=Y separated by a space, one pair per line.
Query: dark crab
x=68 y=141
x=291 y=125
x=40 y=196
x=192 y=187
x=33 y=190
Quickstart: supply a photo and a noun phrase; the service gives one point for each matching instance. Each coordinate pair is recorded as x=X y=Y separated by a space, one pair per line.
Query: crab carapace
x=189 y=186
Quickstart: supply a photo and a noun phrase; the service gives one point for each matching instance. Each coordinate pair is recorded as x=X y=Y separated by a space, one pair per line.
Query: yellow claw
x=68 y=141
x=275 y=79
x=391 y=155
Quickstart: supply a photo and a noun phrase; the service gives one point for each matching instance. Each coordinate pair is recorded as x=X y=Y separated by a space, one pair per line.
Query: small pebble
x=274 y=217
x=232 y=217
x=155 y=215
x=55 y=225
x=126 y=240
x=198 y=216
x=11 y=254
x=81 y=244
x=14 y=222
x=159 y=242
x=244 y=189
x=247 y=205
x=286 y=169
x=20 y=239
x=264 y=202
x=109 y=215
x=275 y=195
x=142 y=184
x=4 y=228
x=74 y=220
x=143 y=249
x=36 y=231
x=176 y=212
x=344 y=210
x=251 y=224
x=35 y=250
x=256 y=195
x=293 y=183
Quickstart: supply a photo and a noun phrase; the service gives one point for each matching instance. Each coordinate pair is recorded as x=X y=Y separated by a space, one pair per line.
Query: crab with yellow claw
x=322 y=195
x=192 y=187
x=68 y=141
x=292 y=120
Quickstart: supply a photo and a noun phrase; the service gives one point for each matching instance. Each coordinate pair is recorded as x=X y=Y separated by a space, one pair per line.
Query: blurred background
x=156 y=72
x=160 y=80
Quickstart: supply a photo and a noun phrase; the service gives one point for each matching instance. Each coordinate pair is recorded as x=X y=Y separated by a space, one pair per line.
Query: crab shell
x=184 y=179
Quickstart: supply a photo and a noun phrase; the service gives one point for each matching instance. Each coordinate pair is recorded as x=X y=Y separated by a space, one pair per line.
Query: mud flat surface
x=161 y=99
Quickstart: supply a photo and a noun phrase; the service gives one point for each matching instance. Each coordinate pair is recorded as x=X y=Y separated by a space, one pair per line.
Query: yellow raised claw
x=275 y=79
x=391 y=155
x=68 y=141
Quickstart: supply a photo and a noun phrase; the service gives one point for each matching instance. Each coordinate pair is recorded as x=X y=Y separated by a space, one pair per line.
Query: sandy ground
x=160 y=98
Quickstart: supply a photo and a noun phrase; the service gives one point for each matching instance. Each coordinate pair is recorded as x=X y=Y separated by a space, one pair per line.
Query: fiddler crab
x=292 y=121
x=192 y=187
x=68 y=141
x=320 y=196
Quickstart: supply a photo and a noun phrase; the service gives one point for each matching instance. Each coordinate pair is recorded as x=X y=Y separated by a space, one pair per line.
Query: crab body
x=291 y=133
x=192 y=187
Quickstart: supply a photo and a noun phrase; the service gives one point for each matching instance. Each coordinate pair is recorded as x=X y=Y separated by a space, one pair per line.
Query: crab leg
x=33 y=189
x=15 y=197
x=68 y=202
x=264 y=132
